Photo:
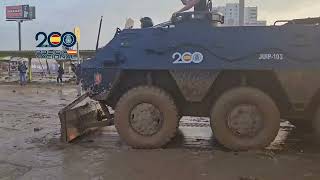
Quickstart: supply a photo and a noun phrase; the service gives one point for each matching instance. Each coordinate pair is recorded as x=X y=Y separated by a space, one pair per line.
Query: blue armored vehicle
x=244 y=78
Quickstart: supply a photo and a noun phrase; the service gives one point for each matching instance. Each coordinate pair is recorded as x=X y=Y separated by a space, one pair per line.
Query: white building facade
x=231 y=15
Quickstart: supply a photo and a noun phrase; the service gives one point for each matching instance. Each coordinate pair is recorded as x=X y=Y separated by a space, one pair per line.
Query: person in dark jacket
x=146 y=22
x=22 y=68
x=60 y=74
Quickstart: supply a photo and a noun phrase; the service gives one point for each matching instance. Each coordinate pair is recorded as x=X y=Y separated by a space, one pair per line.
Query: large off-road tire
x=146 y=117
x=245 y=118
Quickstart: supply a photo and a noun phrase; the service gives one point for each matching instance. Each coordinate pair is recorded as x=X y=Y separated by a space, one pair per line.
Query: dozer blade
x=77 y=121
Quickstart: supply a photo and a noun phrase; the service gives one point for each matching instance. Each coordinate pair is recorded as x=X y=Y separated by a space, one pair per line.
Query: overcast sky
x=64 y=15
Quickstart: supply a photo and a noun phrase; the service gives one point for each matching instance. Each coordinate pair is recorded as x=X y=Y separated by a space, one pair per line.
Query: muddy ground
x=30 y=148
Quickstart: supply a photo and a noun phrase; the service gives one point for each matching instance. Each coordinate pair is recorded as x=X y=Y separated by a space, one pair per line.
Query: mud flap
x=77 y=121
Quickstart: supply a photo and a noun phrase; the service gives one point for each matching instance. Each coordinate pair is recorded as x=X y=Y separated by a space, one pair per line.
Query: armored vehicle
x=246 y=79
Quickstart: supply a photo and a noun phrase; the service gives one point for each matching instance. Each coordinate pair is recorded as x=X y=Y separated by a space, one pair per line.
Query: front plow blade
x=76 y=121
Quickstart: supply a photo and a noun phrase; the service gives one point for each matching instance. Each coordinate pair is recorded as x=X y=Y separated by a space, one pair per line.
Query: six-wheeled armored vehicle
x=244 y=78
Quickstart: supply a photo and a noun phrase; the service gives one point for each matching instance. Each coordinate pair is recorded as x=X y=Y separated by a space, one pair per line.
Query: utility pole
x=19 y=14
x=241 y=12
x=97 y=45
x=9 y=70
x=29 y=70
x=19 y=31
x=77 y=34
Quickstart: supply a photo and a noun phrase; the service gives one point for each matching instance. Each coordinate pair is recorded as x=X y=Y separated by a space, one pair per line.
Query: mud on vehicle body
x=244 y=78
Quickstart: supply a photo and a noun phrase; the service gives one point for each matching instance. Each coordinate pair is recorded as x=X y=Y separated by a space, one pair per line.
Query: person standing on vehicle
x=60 y=74
x=199 y=5
x=146 y=22
x=22 y=68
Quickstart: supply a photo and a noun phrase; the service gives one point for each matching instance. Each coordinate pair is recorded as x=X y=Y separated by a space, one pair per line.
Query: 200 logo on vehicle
x=187 y=58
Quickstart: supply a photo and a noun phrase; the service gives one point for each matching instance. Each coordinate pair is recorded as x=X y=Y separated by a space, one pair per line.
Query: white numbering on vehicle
x=187 y=58
x=275 y=56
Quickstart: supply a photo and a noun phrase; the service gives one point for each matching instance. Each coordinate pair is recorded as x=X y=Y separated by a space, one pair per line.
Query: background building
x=231 y=14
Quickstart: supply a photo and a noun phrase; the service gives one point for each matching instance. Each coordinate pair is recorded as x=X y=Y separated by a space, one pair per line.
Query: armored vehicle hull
x=244 y=78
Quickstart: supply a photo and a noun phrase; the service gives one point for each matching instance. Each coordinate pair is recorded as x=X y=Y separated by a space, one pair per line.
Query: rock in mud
x=37 y=129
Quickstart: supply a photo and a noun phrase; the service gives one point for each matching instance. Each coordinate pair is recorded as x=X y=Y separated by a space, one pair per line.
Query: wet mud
x=30 y=147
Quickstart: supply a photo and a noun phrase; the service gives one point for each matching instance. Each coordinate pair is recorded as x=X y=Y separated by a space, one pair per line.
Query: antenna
x=97 y=45
x=241 y=12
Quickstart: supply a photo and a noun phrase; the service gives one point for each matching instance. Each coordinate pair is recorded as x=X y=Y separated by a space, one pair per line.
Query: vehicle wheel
x=245 y=118
x=146 y=117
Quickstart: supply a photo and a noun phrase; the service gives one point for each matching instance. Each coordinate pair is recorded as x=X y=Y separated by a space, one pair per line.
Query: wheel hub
x=146 y=119
x=245 y=120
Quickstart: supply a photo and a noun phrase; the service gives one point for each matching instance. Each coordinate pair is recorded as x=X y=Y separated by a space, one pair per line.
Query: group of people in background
x=22 y=68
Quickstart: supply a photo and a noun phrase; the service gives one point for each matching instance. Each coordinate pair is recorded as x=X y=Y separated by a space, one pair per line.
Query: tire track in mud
x=192 y=135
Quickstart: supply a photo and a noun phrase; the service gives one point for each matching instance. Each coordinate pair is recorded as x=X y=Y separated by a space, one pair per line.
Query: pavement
x=30 y=147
